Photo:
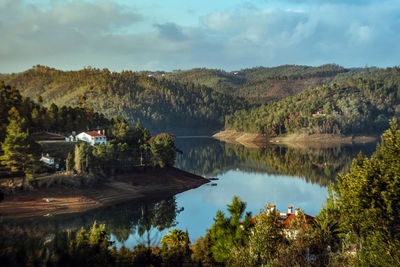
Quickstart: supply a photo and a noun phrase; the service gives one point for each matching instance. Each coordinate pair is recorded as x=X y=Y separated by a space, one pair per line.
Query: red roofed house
x=93 y=137
x=287 y=218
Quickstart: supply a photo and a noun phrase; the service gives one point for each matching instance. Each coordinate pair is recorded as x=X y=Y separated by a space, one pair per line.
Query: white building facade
x=47 y=159
x=93 y=137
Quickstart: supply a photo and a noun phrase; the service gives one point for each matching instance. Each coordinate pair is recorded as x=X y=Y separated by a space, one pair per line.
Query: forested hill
x=353 y=106
x=156 y=102
x=261 y=84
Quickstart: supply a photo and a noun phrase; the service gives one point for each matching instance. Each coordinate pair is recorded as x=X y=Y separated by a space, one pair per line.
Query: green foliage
x=202 y=254
x=264 y=243
x=353 y=106
x=89 y=249
x=126 y=149
x=21 y=153
x=163 y=150
x=120 y=128
x=157 y=103
x=370 y=201
x=175 y=237
x=227 y=233
x=143 y=256
x=175 y=250
x=38 y=118
x=261 y=84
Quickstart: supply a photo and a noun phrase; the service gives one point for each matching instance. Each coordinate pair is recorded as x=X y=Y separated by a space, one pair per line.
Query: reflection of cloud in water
x=201 y=204
x=258 y=189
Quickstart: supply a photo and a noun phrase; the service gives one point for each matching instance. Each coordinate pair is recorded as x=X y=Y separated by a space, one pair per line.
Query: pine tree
x=227 y=233
x=370 y=201
x=21 y=153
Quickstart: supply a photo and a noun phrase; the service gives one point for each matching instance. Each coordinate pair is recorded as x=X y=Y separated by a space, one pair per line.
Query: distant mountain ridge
x=262 y=84
x=158 y=103
x=361 y=104
x=180 y=100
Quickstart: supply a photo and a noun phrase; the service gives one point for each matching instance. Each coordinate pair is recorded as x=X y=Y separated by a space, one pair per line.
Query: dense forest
x=353 y=106
x=160 y=104
x=39 y=118
x=127 y=146
x=261 y=84
x=205 y=99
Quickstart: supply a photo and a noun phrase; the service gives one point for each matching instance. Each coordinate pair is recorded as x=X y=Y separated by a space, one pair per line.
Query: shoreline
x=254 y=140
x=58 y=199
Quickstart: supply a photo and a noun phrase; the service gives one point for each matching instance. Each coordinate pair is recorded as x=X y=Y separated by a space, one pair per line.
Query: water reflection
x=277 y=174
x=209 y=157
x=142 y=220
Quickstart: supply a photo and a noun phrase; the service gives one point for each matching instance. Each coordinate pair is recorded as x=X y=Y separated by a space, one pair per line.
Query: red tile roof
x=94 y=134
x=286 y=221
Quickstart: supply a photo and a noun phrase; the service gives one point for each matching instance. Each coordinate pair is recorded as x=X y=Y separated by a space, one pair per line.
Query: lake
x=275 y=174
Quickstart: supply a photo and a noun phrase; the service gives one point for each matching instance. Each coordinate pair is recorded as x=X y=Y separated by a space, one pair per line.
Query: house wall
x=91 y=140
x=47 y=160
x=85 y=137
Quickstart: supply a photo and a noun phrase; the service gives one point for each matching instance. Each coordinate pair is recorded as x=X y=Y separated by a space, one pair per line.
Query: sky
x=184 y=34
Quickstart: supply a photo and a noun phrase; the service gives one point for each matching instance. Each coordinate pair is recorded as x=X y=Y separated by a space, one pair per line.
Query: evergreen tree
x=21 y=153
x=264 y=243
x=227 y=233
x=370 y=201
x=163 y=150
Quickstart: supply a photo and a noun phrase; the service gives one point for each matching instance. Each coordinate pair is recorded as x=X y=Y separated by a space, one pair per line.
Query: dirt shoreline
x=254 y=140
x=59 y=199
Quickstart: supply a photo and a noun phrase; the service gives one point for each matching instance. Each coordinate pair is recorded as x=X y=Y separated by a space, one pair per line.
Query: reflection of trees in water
x=210 y=157
x=144 y=220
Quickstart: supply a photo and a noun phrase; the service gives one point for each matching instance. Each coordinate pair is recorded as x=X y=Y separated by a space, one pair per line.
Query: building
x=70 y=138
x=287 y=218
x=93 y=137
x=47 y=159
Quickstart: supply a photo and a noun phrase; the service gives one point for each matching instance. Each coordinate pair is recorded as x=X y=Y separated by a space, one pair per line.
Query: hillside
x=158 y=103
x=354 y=106
x=261 y=84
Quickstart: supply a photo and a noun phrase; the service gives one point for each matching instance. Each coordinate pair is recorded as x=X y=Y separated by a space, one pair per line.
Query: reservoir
x=280 y=175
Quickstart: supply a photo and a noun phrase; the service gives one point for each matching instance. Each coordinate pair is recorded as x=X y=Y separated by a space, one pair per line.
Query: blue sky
x=177 y=34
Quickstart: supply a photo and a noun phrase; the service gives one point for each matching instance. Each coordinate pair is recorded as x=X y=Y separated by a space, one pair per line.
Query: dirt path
x=60 y=200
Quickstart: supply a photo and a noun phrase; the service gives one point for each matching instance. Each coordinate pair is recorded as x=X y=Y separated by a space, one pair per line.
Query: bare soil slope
x=60 y=200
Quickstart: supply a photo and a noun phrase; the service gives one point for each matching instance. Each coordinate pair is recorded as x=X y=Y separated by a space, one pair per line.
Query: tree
x=202 y=254
x=119 y=128
x=21 y=153
x=163 y=150
x=369 y=198
x=174 y=238
x=227 y=233
x=69 y=164
x=175 y=250
x=77 y=159
x=264 y=243
x=91 y=249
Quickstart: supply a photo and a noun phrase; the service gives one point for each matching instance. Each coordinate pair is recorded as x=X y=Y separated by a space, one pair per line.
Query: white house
x=93 y=137
x=47 y=159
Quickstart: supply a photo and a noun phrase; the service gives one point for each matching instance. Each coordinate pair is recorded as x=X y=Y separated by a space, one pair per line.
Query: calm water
x=275 y=174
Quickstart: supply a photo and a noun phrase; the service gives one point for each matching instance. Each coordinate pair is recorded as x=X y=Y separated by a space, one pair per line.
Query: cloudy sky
x=183 y=34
